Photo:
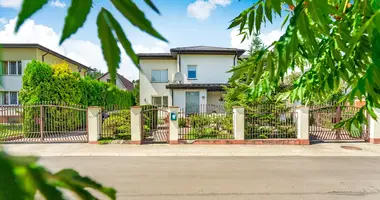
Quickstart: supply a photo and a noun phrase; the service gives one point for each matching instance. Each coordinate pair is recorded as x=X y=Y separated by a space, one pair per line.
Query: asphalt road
x=236 y=178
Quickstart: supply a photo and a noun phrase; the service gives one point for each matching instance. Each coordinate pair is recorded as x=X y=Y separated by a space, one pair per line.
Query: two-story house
x=187 y=76
x=13 y=61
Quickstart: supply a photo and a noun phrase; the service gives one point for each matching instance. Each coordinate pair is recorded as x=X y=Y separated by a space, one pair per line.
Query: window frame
x=18 y=67
x=6 y=95
x=160 y=81
x=161 y=100
x=196 y=69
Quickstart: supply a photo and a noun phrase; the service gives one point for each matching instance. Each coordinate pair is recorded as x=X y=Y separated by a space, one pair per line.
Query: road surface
x=178 y=178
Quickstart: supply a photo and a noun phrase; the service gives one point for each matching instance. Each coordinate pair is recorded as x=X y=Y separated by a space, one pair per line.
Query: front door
x=192 y=102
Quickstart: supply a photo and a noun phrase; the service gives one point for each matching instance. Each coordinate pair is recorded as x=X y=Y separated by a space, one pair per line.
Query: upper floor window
x=160 y=76
x=9 y=98
x=11 y=67
x=191 y=71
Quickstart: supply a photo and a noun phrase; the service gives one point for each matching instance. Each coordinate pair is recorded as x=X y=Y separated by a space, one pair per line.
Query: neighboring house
x=187 y=76
x=121 y=81
x=14 y=59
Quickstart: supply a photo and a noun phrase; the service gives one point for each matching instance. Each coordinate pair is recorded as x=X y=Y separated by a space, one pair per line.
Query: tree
x=256 y=44
x=136 y=91
x=110 y=31
x=334 y=43
x=96 y=73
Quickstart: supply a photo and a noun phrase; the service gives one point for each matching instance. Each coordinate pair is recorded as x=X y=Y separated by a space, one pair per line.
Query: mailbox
x=173 y=116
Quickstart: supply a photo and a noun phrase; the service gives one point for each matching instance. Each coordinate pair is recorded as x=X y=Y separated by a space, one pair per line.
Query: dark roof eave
x=197 y=86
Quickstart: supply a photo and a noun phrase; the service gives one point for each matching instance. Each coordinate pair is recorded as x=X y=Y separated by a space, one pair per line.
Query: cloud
x=10 y=3
x=267 y=38
x=201 y=9
x=3 y=20
x=83 y=51
x=58 y=4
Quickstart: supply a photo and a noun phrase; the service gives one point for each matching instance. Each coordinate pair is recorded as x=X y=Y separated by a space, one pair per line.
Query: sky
x=182 y=22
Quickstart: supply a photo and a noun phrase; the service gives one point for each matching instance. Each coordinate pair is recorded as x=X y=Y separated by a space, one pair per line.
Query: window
x=108 y=80
x=11 y=67
x=160 y=101
x=9 y=98
x=191 y=71
x=160 y=76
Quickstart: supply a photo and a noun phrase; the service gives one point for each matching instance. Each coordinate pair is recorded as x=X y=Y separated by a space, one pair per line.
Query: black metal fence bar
x=270 y=121
x=205 y=122
x=323 y=120
x=43 y=122
x=116 y=123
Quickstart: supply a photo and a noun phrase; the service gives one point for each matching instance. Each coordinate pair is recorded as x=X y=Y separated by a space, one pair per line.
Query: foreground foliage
x=334 y=43
x=22 y=178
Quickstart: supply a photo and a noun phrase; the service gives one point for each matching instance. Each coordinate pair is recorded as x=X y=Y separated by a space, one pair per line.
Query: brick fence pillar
x=374 y=128
x=173 y=127
x=94 y=120
x=136 y=125
x=303 y=125
x=238 y=123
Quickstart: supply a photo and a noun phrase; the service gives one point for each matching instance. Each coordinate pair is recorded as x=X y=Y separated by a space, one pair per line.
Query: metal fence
x=205 y=122
x=323 y=118
x=43 y=122
x=270 y=121
x=116 y=122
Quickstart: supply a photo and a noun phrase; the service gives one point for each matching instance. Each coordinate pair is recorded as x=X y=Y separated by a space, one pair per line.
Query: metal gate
x=45 y=123
x=155 y=125
x=322 y=120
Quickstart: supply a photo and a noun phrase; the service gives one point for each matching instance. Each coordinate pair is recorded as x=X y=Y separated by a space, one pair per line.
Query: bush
x=118 y=124
x=182 y=122
x=44 y=83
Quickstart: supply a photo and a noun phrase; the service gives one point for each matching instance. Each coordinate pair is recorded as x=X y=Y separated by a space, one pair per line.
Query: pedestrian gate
x=155 y=125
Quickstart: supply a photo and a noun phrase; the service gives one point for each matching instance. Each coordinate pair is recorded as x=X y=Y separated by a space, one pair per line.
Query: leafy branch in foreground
x=334 y=43
x=22 y=177
x=110 y=32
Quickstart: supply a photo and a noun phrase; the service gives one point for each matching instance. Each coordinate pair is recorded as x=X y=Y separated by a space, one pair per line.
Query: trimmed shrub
x=45 y=83
x=118 y=124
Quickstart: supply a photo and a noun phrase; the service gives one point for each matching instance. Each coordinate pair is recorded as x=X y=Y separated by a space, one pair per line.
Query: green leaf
x=111 y=51
x=242 y=24
x=47 y=190
x=277 y=6
x=235 y=22
x=122 y=37
x=152 y=6
x=268 y=10
x=74 y=179
x=76 y=16
x=136 y=17
x=285 y=20
x=29 y=7
x=9 y=187
x=251 y=20
x=259 y=17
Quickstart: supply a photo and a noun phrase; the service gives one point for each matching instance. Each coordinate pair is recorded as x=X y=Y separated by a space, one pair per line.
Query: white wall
x=210 y=68
x=118 y=82
x=214 y=97
x=148 y=89
x=13 y=82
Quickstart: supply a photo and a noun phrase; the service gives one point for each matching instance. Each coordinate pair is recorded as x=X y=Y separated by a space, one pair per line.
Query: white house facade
x=187 y=76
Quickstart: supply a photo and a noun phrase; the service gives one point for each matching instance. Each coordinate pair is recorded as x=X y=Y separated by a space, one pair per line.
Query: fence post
x=136 y=126
x=173 y=127
x=238 y=123
x=94 y=123
x=303 y=125
x=374 y=128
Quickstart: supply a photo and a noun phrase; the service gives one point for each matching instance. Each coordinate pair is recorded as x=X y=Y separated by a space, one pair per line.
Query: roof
x=206 y=49
x=192 y=50
x=208 y=86
x=126 y=83
x=42 y=48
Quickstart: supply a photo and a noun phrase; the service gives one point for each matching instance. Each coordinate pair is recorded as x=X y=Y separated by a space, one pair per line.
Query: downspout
x=43 y=56
x=179 y=61
x=172 y=97
x=235 y=58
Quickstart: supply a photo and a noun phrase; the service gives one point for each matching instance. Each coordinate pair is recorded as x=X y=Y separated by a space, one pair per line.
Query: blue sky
x=183 y=23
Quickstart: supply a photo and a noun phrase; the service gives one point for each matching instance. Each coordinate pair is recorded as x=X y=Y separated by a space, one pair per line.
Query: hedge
x=45 y=83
